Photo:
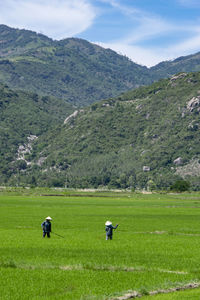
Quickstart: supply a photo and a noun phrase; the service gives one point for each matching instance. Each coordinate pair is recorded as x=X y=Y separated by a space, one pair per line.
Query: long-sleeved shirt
x=46 y=226
x=109 y=229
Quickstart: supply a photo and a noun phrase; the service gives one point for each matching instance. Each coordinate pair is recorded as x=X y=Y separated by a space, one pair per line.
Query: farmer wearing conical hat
x=46 y=227
x=109 y=230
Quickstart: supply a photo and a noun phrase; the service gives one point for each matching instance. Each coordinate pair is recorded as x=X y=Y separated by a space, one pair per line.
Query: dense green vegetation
x=155 y=246
x=74 y=69
x=146 y=138
x=180 y=186
x=24 y=117
x=182 y=64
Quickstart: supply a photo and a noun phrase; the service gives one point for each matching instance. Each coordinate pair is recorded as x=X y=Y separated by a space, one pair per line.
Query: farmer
x=109 y=230
x=46 y=226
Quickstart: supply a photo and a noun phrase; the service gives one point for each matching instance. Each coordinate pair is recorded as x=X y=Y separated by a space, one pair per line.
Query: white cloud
x=187 y=46
x=66 y=18
x=127 y=10
x=55 y=18
x=148 y=29
x=147 y=26
x=150 y=56
x=137 y=54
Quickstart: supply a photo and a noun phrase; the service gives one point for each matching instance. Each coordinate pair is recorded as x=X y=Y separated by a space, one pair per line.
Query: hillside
x=148 y=137
x=24 y=117
x=19 y=41
x=182 y=64
x=72 y=69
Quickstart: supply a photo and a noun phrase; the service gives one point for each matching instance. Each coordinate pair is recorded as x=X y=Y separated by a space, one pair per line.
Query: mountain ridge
x=145 y=137
x=140 y=139
x=74 y=69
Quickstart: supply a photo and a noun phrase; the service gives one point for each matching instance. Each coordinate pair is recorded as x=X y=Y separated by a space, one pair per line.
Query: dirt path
x=136 y=294
x=119 y=269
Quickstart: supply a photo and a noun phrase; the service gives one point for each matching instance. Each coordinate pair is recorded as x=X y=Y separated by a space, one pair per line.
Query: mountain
x=24 y=117
x=18 y=41
x=147 y=137
x=72 y=69
x=182 y=64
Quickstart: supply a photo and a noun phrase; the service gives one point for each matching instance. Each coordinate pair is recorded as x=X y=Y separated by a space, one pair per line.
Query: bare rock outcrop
x=191 y=169
x=178 y=161
x=193 y=104
x=146 y=168
x=73 y=115
x=179 y=76
x=26 y=148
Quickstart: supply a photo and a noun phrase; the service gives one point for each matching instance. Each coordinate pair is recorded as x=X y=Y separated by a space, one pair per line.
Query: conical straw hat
x=48 y=218
x=108 y=223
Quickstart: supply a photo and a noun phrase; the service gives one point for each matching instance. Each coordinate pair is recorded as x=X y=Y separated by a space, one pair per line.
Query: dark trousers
x=108 y=237
x=46 y=233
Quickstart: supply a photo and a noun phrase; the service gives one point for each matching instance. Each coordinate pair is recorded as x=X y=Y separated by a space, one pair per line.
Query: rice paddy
x=155 y=247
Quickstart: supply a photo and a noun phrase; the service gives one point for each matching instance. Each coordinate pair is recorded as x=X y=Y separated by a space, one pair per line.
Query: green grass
x=157 y=234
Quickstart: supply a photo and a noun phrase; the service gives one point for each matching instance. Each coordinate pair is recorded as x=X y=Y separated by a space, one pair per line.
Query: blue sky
x=147 y=31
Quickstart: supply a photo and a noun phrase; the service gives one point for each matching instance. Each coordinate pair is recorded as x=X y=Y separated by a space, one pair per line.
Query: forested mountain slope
x=75 y=69
x=72 y=69
x=24 y=117
x=146 y=137
x=182 y=64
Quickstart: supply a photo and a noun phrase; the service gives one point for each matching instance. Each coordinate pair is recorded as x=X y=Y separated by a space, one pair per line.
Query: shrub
x=180 y=186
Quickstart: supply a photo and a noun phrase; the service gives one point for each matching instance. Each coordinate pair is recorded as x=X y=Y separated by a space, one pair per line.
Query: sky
x=146 y=31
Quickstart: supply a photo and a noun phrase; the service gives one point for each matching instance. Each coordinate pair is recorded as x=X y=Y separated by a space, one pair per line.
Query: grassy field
x=156 y=245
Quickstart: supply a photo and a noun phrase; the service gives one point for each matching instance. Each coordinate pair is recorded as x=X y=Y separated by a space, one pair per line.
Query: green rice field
x=155 y=247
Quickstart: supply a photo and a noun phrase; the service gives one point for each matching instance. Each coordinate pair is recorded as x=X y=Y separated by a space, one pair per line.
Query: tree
x=151 y=186
x=180 y=186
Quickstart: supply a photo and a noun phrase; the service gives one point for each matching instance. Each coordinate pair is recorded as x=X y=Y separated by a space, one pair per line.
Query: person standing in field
x=109 y=230
x=46 y=227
